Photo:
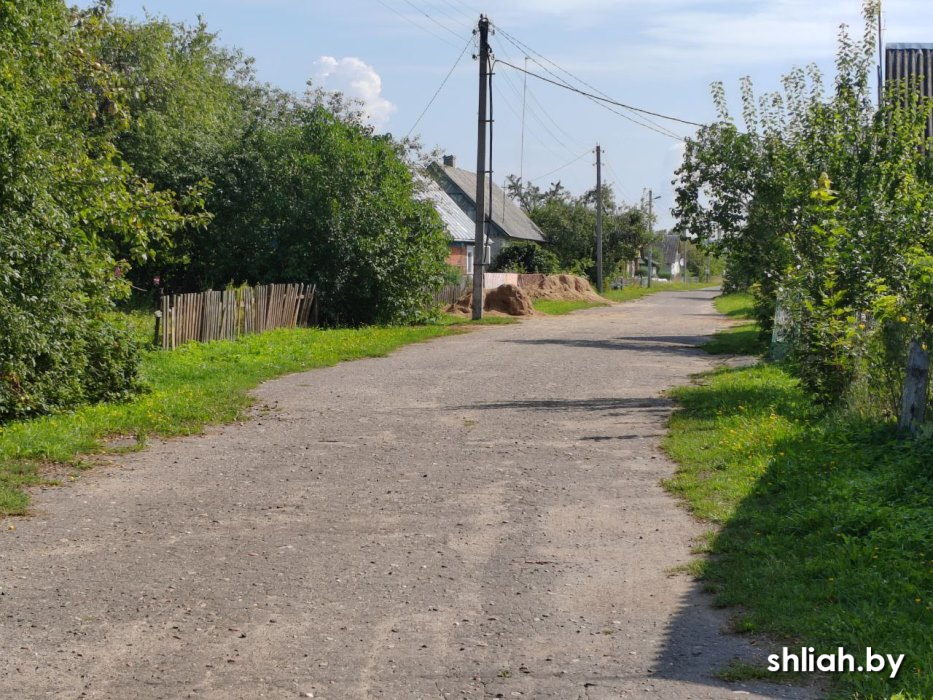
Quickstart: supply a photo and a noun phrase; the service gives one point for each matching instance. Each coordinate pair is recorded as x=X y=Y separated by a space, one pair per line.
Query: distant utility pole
x=650 y=233
x=479 y=241
x=521 y=158
x=599 y=219
x=880 y=57
x=685 y=261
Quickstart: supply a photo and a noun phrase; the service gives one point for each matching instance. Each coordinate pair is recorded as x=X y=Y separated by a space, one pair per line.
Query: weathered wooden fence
x=229 y=314
x=451 y=293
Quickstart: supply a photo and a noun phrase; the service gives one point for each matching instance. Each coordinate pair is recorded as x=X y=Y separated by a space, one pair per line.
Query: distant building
x=913 y=62
x=508 y=222
x=460 y=228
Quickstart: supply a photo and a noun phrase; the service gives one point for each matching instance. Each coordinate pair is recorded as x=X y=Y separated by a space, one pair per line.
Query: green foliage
x=313 y=197
x=822 y=204
x=189 y=388
x=557 y=307
x=69 y=204
x=569 y=226
x=525 y=256
x=826 y=522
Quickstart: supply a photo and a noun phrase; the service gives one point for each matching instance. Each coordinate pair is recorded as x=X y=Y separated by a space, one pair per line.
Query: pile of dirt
x=507 y=300
x=563 y=288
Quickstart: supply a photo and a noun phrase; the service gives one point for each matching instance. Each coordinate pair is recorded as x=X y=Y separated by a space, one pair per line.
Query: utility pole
x=685 y=261
x=599 y=219
x=650 y=234
x=479 y=241
x=521 y=159
x=880 y=57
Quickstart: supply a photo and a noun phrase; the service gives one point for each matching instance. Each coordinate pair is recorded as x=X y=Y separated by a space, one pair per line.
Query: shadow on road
x=679 y=345
x=696 y=649
x=592 y=405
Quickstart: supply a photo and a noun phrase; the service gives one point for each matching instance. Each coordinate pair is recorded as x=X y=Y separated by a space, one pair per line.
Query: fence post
x=916 y=381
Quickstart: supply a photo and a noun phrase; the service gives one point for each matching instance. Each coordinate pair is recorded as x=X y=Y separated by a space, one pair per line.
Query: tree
x=824 y=204
x=569 y=226
x=525 y=256
x=68 y=202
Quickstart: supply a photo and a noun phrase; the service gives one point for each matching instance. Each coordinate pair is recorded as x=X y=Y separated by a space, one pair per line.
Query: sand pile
x=508 y=300
x=563 y=288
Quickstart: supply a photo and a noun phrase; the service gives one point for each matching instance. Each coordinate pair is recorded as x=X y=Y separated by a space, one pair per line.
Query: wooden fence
x=451 y=293
x=226 y=315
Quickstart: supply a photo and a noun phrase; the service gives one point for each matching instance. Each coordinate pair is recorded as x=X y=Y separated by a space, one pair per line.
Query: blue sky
x=657 y=54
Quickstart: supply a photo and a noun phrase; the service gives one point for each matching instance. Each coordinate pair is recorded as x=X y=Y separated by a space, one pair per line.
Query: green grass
x=190 y=387
x=554 y=307
x=825 y=523
x=743 y=339
x=455 y=320
x=630 y=293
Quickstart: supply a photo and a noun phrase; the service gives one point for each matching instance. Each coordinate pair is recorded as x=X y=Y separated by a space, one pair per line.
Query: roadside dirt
x=479 y=516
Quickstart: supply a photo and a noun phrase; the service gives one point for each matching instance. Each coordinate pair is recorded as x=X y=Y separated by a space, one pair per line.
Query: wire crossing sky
x=400 y=58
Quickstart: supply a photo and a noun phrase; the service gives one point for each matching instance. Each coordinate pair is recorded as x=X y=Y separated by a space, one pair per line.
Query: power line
x=408 y=19
x=437 y=22
x=443 y=83
x=600 y=94
x=599 y=98
x=516 y=42
x=565 y=165
x=651 y=125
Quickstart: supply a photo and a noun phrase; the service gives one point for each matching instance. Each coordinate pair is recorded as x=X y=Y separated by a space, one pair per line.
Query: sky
x=658 y=55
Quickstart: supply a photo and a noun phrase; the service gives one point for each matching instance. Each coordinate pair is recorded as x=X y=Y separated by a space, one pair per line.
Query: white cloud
x=356 y=80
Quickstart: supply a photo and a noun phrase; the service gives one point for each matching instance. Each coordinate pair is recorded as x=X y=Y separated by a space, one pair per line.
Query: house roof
x=670 y=248
x=459 y=226
x=505 y=213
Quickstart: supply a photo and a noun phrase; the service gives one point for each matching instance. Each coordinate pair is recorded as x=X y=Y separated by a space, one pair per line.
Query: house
x=672 y=254
x=508 y=223
x=460 y=228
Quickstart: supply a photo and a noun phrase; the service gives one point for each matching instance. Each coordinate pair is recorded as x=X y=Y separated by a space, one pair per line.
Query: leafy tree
x=824 y=203
x=68 y=202
x=312 y=196
x=526 y=256
x=569 y=226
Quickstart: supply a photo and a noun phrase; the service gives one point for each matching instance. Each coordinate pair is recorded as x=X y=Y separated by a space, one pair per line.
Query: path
x=479 y=516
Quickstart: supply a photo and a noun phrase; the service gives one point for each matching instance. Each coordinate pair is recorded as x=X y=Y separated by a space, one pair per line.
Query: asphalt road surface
x=478 y=516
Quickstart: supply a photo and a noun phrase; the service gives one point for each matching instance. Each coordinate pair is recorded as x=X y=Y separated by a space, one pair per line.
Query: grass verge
x=631 y=293
x=825 y=523
x=744 y=339
x=455 y=320
x=191 y=387
x=555 y=307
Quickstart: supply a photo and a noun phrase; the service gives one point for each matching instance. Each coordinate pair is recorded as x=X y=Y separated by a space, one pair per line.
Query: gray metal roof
x=459 y=226
x=909 y=47
x=505 y=213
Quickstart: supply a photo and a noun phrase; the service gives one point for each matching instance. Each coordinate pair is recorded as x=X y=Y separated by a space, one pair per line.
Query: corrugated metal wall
x=913 y=62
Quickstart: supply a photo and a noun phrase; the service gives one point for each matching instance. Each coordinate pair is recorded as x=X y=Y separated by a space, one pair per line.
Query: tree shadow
x=680 y=345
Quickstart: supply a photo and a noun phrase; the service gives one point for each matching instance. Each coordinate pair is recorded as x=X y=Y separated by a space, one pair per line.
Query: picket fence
x=229 y=314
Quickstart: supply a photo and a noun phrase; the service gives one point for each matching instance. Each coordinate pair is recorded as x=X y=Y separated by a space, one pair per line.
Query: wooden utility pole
x=599 y=219
x=650 y=233
x=479 y=241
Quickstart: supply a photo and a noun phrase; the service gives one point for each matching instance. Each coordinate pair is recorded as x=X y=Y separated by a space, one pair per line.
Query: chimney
x=450 y=161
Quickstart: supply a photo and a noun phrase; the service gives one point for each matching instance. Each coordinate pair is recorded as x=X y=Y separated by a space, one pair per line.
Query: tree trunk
x=916 y=381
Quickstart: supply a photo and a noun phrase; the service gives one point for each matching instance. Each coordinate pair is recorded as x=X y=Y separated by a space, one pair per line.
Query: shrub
x=526 y=257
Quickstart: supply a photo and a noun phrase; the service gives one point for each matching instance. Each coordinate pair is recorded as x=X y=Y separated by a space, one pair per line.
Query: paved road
x=478 y=516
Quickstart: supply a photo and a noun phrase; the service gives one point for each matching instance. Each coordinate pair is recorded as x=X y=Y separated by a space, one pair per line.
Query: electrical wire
x=564 y=166
x=443 y=83
x=600 y=95
x=643 y=121
x=598 y=98
x=437 y=22
x=408 y=19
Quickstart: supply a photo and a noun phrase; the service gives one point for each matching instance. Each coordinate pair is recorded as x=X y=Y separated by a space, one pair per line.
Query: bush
x=526 y=257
